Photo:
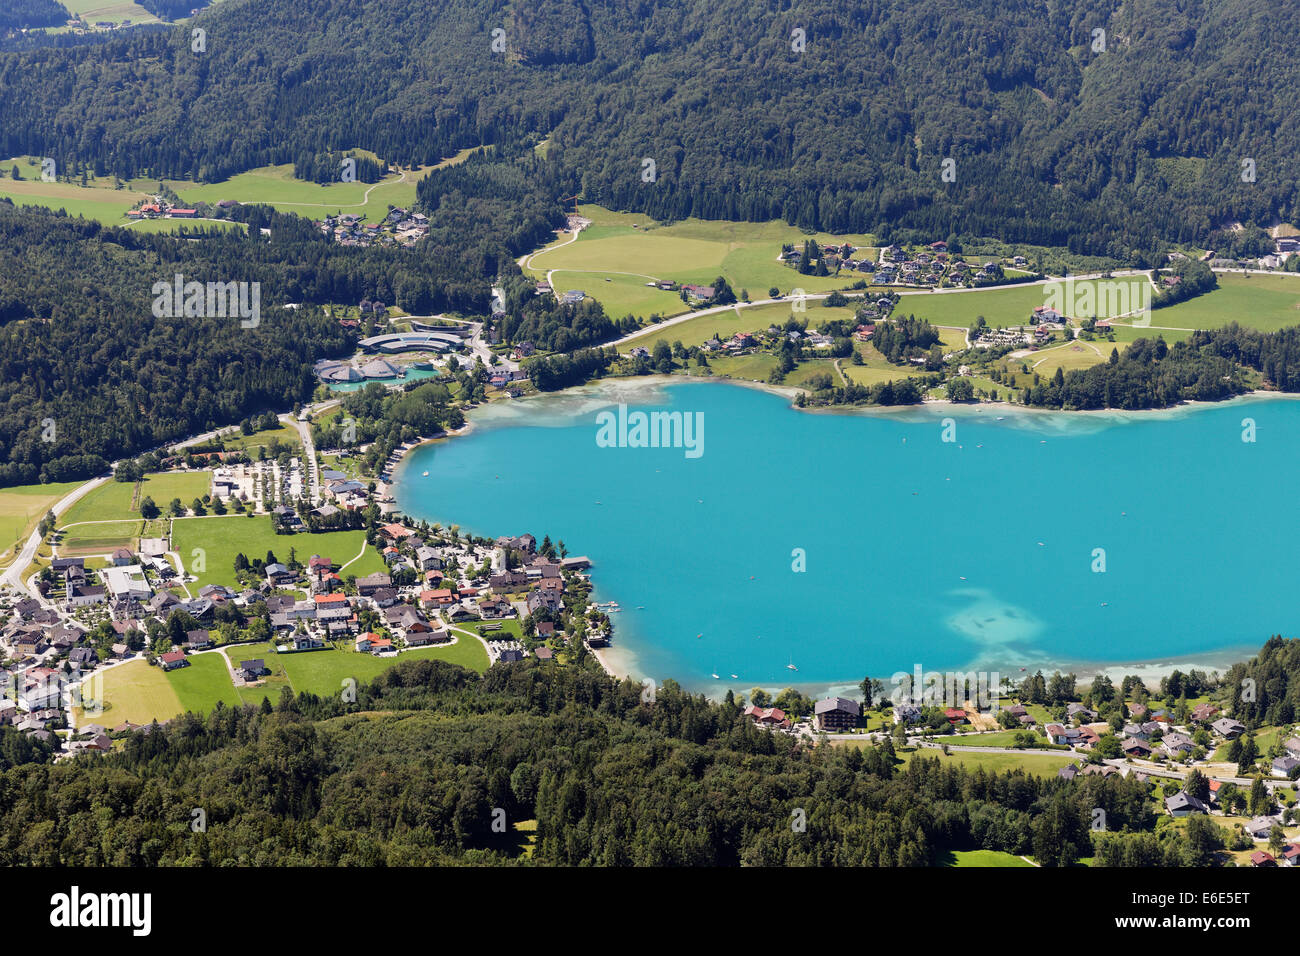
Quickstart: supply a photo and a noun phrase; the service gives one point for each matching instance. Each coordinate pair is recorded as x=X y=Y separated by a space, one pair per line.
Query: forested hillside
x=838 y=117
x=16 y=14
x=412 y=772
x=81 y=348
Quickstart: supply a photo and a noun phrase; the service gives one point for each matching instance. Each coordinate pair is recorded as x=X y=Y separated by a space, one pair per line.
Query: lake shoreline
x=622 y=660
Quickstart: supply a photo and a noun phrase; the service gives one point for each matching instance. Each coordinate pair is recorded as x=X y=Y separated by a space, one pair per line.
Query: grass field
x=221 y=538
x=1039 y=765
x=1266 y=302
x=139 y=693
x=285 y=434
x=692 y=251
x=99 y=200
x=1002 y=306
x=983 y=858
x=276 y=186
x=323 y=672
x=99 y=537
x=21 y=509
x=199 y=686
x=621 y=294
x=1002 y=738
x=112 y=500
x=114 y=10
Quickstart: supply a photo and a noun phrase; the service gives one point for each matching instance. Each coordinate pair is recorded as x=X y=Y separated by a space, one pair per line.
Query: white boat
x=715 y=677
x=426 y=474
x=790 y=666
x=735 y=677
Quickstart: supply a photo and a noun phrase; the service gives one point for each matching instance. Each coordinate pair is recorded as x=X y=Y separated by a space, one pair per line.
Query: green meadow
x=697 y=331
x=621 y=294
x=1266 y=302
x=140 y=693
x=100 y=200
x=323 y=672
x=112 y=500
x=276 y=186
x=21 y=509
x=1038 y=765
x=112 y=10
x=981 y=858
x=693 y=251
x=134 y=692
x=1014 y=305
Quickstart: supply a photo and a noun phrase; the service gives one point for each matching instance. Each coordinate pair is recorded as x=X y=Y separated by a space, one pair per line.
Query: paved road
x=13 y=574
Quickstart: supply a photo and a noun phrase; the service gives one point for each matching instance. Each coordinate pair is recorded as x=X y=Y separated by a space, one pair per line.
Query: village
x=1186 y=754
x=524 y=603
x=400 y=227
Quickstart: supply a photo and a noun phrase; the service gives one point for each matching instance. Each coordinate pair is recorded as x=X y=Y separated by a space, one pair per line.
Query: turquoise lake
x=947 y=555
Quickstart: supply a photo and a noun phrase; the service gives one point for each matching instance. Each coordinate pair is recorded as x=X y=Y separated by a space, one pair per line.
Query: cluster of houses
x=400 y=227
x=160 y=208
x=932 y=266
x=49 y=653
x=47 y=643
x=445 y=586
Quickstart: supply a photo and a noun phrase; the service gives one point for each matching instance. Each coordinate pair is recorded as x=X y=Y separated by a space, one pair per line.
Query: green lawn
x=249 y=444
x=620 y=294
x=114 y=10
x=986 y=858
x=206 y=680
x=276 y=186
x=21 y=509
x=221 y=538
x=510 y=629
x=140 y=693
x=101 y=200
x=112 y=500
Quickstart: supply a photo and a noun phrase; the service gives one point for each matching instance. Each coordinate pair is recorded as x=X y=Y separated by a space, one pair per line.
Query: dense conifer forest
x=88 y=374
x=31 y=13
x=1105 y=127
x=413 y=771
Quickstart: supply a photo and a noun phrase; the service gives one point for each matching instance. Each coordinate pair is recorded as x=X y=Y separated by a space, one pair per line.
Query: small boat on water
x=715 y=677
x=425 y=475
x=735 y=677
x=790 y=666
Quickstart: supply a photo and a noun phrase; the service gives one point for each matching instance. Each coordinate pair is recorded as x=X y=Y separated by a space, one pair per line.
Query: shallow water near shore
x=1030 y=540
